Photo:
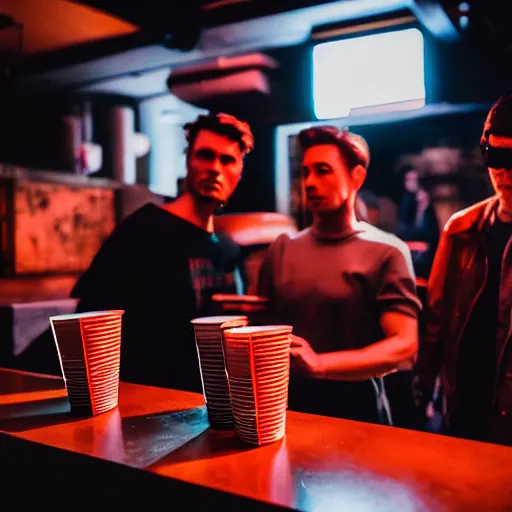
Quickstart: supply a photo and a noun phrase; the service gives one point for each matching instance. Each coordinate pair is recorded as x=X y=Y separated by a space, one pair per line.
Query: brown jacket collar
x=476 y=217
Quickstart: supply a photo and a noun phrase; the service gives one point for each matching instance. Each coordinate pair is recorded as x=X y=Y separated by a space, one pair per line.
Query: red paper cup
x=89 y=348
x=258 y=368
x=209 y=342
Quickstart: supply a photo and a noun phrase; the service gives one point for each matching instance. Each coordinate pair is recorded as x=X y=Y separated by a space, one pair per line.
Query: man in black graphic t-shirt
x=468 y=321
x=163 y=264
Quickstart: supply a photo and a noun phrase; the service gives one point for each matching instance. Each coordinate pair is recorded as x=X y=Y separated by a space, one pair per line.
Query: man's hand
x=304 y=359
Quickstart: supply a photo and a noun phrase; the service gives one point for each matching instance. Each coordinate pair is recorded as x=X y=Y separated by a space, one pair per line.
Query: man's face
x=214 y=167
x=327 y=179
x=501 y=177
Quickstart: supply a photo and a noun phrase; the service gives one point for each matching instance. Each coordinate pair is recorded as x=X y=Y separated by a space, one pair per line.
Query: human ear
x=358 y=175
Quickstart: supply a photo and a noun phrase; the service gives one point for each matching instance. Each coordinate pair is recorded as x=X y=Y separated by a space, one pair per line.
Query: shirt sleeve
x=397 y=289
x=112 y=277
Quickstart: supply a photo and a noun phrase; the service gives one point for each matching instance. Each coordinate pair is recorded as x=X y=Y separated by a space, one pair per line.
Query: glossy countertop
x=322 y=464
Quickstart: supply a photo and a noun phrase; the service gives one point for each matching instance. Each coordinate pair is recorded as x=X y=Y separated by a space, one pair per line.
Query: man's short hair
x=222 y=124
x=499 y=120
x=352 y=147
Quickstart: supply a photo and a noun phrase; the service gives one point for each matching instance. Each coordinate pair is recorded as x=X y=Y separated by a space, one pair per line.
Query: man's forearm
x=376 y=360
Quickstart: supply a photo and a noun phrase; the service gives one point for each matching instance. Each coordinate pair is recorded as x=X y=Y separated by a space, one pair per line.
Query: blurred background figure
x=417 y=221
x=368 y=208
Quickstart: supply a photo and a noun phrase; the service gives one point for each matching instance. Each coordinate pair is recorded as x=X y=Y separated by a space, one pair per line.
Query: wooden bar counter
x=156 y=449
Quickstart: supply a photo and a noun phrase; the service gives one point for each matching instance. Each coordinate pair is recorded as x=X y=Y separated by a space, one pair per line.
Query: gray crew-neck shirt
x=334 y=291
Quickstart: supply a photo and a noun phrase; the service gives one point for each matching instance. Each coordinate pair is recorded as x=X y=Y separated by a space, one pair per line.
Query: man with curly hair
x=162 y=264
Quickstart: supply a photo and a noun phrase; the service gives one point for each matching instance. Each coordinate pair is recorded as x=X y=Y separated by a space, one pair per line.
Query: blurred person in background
x=371 y=211
x=417 y=221
x=467 y=335
x=346 y=287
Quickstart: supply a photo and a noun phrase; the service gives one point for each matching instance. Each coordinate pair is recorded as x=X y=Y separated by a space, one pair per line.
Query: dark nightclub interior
x=257 y=253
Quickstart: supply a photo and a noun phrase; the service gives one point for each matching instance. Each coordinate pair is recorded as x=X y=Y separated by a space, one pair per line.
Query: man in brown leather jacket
x=467 y=335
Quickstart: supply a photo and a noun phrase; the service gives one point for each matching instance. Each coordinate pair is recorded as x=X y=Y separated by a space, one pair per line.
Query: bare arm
x=395 y=352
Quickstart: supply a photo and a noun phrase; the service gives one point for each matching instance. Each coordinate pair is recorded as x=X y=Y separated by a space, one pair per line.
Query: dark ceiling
x=158 y=35
x=492 y=16
x=172 y=15
x=168 y=35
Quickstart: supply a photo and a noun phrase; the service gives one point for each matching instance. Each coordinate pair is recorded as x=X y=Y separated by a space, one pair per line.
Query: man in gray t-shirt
x=347 y=288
